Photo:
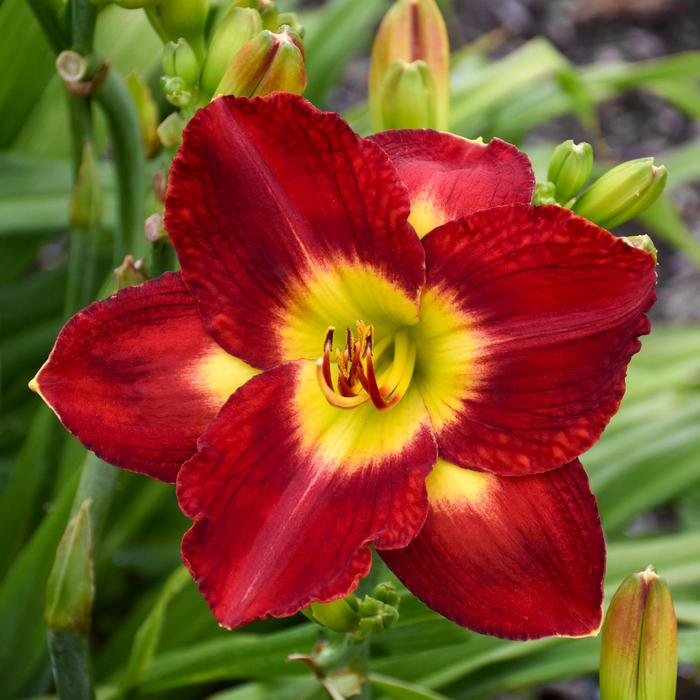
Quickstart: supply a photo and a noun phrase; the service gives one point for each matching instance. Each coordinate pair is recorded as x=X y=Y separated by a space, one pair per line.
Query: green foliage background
x=153 y=636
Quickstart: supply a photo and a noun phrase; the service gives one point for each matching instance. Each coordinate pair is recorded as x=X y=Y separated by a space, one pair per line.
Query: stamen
x=326 y=363
x=356 y=362
x=333 y=398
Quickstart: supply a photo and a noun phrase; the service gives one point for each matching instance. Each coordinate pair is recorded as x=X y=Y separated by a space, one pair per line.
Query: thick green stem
x=114 y=99
x=70 y=661
x=83 y=16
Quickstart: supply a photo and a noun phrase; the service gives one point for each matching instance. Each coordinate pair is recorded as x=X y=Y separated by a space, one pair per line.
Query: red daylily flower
x=487 y=347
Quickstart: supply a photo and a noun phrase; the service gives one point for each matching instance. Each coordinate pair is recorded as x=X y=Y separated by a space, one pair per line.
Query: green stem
x=70 y=661
x=83 y=16
x=50 y=24
x=114 y=99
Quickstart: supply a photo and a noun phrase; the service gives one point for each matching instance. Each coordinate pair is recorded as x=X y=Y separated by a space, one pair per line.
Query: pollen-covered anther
x=357 y=380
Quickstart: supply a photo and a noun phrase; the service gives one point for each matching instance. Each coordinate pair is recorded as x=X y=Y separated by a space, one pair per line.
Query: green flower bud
x=129 y=273
x=70 y=589
x=339 y=615
x=86 y=201
x=181 y=18
x=412 y=30
x=569 y=168
x=545 y=193
x=179 y=61
x=176 y=91
x=408 y=98
x=638 y=653
x=291 y=20
x=386 y=593
x=267 y=63
x=170 y=130
x=643 y=243
x=622 y=193
x=238 y=26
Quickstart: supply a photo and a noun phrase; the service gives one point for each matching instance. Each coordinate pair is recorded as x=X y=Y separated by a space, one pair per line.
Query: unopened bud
x=238 y=25
x=179 y=61
x=386 y=593
x=412 y=30
x=86 y=202
x=545 y=193
x=569 y=169
x=622 y=193
x=183 y=18
x=338 y=615
x=153 y=228
x=176 y=91
x=638 y=653
x=644 y=243
x=170 y=130
x=267 y=63
x=70 y=589
x=129 y=273
x=291 y=20
x=408 y=97
x=147 y=111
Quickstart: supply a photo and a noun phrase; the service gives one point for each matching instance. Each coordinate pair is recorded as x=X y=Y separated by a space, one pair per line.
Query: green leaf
x=400 y=690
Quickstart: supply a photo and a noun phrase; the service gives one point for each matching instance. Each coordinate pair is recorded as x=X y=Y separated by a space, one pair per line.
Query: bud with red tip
x=411 y=31
x=638 y=654
x=269 y=62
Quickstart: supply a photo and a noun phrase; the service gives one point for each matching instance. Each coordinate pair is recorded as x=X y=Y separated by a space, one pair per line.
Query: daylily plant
x=480 y=347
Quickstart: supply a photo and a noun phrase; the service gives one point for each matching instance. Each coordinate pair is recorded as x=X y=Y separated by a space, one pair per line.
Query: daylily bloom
x=481 y=347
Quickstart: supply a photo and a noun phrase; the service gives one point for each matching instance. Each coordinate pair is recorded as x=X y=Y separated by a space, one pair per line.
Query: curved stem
x=114 y=99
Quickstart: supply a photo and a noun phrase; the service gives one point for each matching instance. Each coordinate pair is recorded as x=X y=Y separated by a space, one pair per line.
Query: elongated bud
x=412 y=30
x=408 y=98
x=86 y=202
x=238 y=26
x=182 y=18
x=269 y=62
x=638 y=654
x=569 y=168
x=179 y=61
x=147 y=111
x=622 y=193
x=70 y=588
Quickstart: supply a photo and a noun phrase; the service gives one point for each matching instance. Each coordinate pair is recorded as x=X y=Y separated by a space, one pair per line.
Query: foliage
x=152 y=634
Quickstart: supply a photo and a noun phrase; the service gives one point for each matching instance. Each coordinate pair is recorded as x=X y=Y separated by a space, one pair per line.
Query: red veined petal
x=287 y=492
x=448 y=176
x=515 y=557
x=136 y=378
x=266 y=199
x=539 y=313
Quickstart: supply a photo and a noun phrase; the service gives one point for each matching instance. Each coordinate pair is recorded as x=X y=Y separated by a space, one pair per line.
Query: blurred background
x=621 y=74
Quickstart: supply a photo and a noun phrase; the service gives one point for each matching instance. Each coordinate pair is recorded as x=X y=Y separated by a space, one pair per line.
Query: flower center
x=358 y=380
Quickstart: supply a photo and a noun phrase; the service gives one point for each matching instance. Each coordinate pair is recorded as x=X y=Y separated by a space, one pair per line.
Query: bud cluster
x=248 y=48
x=619 y=195
x=359 y=617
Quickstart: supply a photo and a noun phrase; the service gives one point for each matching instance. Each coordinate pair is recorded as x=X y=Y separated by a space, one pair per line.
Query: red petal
x=287 y=492
x=136 y=378
x=514 y=557
x=266 y=194
x=556 y=306
x=448 y=176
